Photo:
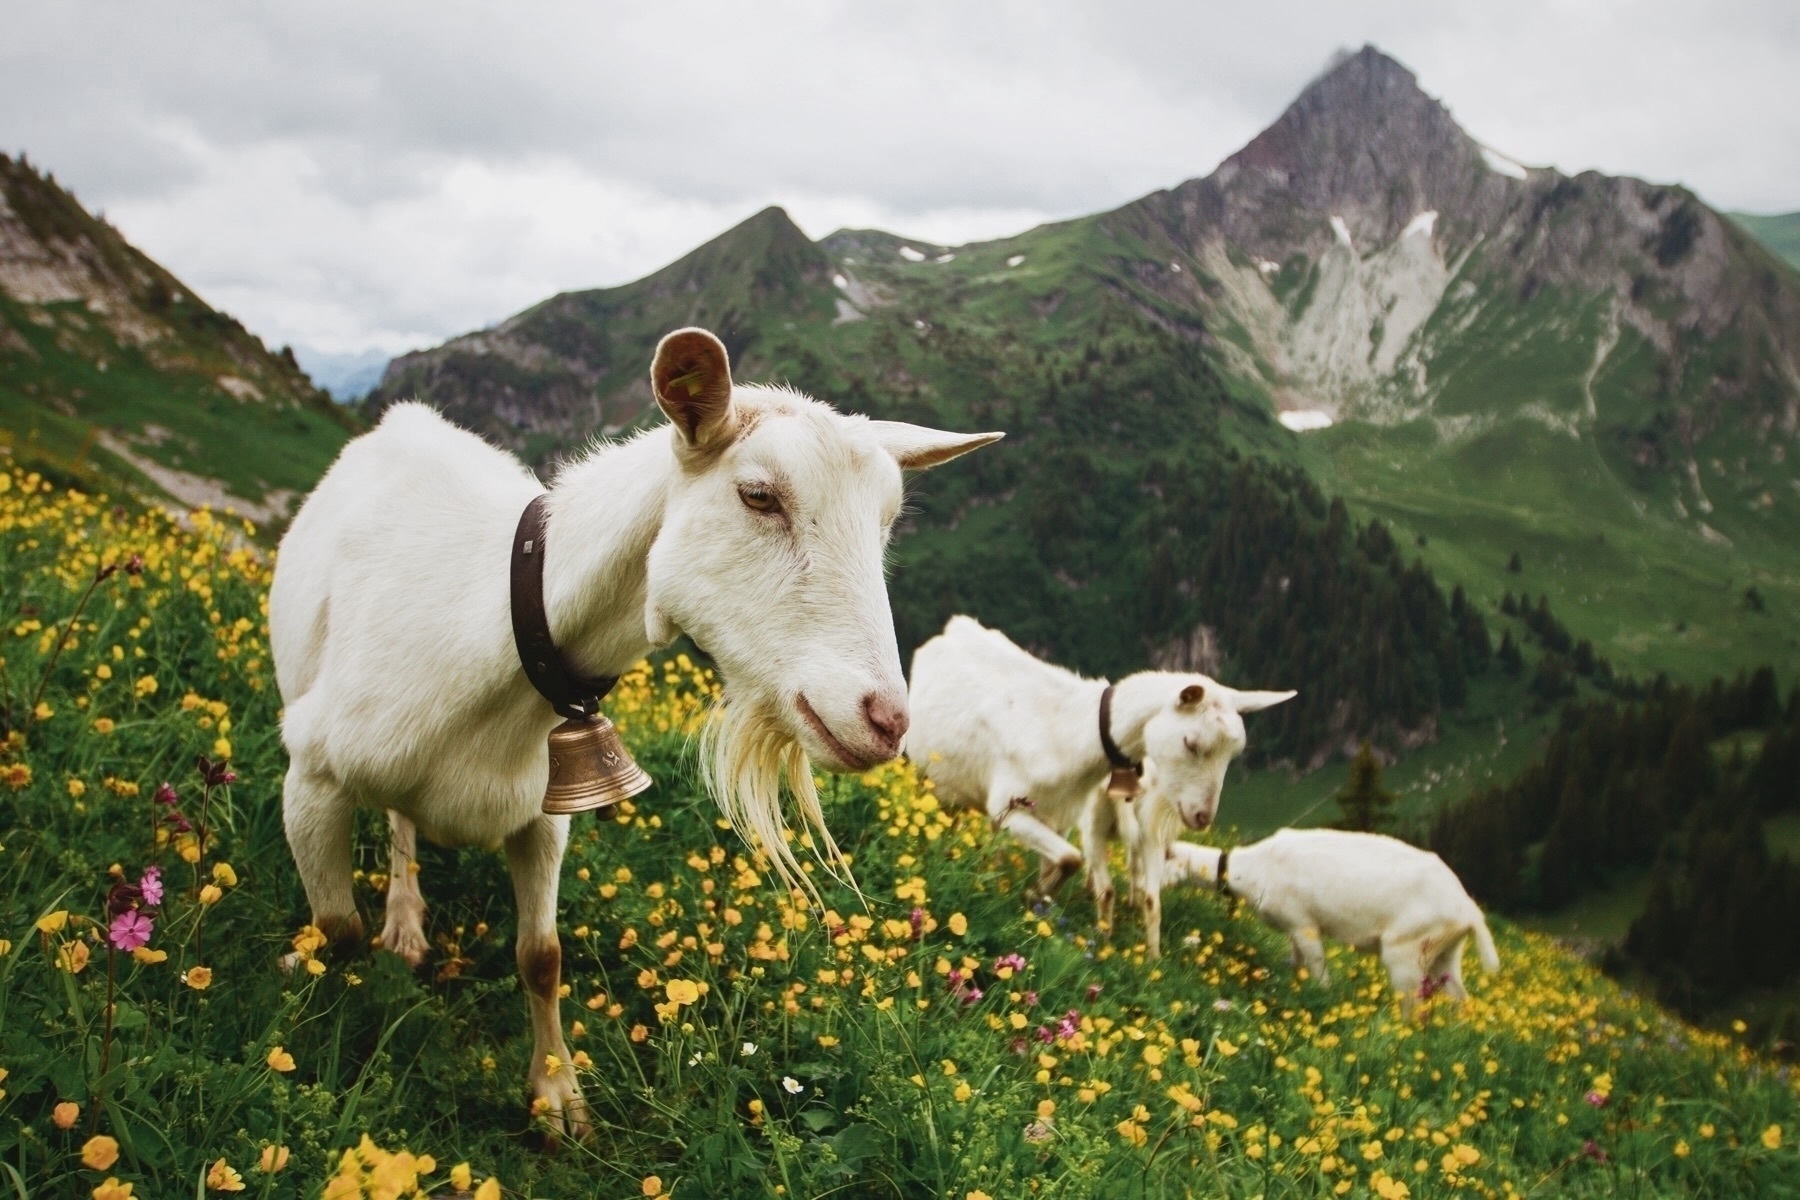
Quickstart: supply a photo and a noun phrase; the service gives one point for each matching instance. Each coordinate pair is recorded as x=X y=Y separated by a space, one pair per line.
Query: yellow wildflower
x=112 y=1189
x=77 y=789
x=274 y=1158
x=682 y=991
x=222 y=1177
x=280 y=1060
x=198 y=978
x=210 y=894
x=1771 y=1138
x=104 y=725
x=99 y=1152
x=66 y=1114
x=53 y=922
x=958 y=924
x=72 y=957
x=223 y=875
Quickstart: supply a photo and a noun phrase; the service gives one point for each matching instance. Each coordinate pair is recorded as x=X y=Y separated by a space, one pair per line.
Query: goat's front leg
x=403 y=931
x=534 y=855
x=1096 y=841
x=1309 y=952
x=1149 y=875
x=1061 y=858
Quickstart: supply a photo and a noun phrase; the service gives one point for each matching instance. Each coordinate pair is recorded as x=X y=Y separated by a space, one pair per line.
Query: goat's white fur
x=996 y=728
x=393 y=646
x=1371 y=891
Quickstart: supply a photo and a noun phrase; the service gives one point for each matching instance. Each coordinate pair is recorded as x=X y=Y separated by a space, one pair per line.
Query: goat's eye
x=760 y=499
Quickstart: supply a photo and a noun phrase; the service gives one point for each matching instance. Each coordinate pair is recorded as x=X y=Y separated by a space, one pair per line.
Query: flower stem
x=100 y=573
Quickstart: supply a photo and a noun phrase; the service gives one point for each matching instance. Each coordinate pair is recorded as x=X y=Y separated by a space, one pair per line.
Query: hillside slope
x=113 y=373
x=932 y=1036
x=1597 y=375
x=1779 y=232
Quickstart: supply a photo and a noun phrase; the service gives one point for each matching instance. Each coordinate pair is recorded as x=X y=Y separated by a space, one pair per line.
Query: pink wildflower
x=129 y=930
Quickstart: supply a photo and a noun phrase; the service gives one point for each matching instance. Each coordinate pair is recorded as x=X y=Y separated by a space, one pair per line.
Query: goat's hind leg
x=403 y=929
x=317 y=815
x=534 y=856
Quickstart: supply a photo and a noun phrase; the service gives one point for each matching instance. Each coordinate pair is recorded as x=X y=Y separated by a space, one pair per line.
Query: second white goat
x=996 y=728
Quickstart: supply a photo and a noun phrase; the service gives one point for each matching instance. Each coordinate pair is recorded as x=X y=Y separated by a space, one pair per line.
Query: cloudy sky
x=346 y=176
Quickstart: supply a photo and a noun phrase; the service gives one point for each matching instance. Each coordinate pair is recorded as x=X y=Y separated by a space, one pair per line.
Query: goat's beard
x=745 y=751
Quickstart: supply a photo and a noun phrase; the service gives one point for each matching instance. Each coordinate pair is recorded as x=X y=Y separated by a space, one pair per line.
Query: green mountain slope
x=114 y=374
x=1780 y=233
x=1598 y=375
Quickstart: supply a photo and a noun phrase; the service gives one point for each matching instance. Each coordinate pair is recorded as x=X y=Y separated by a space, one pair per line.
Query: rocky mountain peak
x=1365 y=141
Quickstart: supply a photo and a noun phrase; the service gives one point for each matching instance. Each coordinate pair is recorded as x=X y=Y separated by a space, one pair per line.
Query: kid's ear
x=691 y=380
x=916 y=447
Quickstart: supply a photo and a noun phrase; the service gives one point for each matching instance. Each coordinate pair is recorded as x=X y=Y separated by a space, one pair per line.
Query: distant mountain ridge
x=1594 y=378
x=347 y=376
x=115 y=374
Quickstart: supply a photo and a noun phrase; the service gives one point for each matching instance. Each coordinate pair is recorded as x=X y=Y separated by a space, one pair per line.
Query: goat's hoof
x=1054 y=875
x=557 y=1101
x=408 y=941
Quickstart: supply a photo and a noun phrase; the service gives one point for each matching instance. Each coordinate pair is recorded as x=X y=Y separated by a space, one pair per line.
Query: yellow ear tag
x=693 y=381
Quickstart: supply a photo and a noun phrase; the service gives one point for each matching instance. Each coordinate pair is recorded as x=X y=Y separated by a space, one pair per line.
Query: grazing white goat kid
x=995 y=728
x=754 y=521
x=1371 y=891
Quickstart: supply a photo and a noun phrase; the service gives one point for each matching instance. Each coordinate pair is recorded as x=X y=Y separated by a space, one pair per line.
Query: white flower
x=695 y=1061
x=1222 y=1005
x=748 y=1049
x=792 y=1086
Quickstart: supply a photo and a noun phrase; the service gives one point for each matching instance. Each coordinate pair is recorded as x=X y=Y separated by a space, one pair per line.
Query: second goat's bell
x=590 y=767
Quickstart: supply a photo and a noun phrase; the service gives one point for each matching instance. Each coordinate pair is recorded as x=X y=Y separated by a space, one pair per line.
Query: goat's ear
x=915 y=447
x=1257 y=701
x=1191 y=695
x=691 y=380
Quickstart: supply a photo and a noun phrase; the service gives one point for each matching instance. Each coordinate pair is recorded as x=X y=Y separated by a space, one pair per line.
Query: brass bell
x=590 y=767
x=1125 y=783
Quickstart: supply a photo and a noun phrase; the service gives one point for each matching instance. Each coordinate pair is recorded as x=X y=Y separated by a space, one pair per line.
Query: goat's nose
x=887 y=717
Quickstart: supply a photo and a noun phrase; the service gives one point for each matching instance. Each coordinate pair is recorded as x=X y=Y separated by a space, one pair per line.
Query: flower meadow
x=932 y=1034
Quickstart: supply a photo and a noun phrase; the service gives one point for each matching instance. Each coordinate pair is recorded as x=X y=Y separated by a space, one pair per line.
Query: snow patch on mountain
x=1497 y=161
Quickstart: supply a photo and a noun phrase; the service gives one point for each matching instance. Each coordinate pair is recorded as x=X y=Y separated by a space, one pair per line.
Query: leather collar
x=569 y=692
x=1114 y=755
x=1222 y=883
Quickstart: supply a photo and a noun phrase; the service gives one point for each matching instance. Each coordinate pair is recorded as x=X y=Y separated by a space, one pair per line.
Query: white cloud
x=345 y=175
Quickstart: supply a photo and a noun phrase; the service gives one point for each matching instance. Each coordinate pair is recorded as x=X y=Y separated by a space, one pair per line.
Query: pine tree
x=1365 y=804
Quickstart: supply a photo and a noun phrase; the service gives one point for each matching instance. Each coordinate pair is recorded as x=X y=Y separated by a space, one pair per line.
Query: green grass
x=831 y=1054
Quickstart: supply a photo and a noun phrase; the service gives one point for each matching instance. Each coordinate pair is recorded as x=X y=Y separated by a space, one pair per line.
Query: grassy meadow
x=933 y=1036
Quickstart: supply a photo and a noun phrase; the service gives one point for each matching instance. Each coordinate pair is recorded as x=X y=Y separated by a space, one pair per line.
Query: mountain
x=115 y=375
x=1779 y=233
x=1583 y=389
x=346 y=376
x=577 y=363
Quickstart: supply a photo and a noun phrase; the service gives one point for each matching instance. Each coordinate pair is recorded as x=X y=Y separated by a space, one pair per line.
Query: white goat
x=994 y=727
x=1371 y=891
x=755 y=521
